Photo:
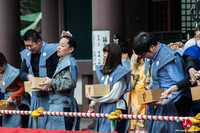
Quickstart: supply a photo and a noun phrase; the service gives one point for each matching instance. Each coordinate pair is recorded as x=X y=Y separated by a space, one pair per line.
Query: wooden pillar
x=108 y=15
x=10 y=31
x=50 y=20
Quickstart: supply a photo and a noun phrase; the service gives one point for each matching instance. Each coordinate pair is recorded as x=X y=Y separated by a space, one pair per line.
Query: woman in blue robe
x=119 y=79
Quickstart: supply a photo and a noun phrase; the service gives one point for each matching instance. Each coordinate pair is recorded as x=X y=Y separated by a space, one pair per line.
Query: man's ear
x=71 y=49
x=152 y=47
x=39 y=41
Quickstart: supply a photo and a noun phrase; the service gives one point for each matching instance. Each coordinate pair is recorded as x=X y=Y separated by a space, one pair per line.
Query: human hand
x=194 y=74
x=9 y=102
x=30 y=77
x=46 y=84
x=159 y=103
x=168 y=93
x=91 y=108
x=148 y=80
x=87 y=96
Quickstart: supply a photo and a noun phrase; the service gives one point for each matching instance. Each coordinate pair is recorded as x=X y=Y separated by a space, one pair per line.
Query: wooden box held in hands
x=97 y=90
x=34 y=85
x=27 y=86
x=3 y=105
x=149 y=96
x=195 y=92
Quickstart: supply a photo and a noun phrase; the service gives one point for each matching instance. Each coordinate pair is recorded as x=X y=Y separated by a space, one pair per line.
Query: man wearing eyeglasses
x=166 y=69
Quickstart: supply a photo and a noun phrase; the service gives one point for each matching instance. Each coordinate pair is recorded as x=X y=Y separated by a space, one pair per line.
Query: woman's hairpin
x=66 y=33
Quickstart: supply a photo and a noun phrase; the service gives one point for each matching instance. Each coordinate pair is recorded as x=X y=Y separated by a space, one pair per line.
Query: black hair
x=72 y=41
x=113 y=58
x=116 y=36
x=124 y=46
x=3 y=60
x=32 y=35
x=142 y=43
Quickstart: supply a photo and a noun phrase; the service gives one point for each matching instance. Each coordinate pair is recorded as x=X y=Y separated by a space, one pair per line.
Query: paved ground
x=85 y=122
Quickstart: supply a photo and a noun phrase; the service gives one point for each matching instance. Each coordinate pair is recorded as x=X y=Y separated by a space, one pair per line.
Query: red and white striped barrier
x=97 y=115
x=75 y=114
x=153 y=117
x=15 y=112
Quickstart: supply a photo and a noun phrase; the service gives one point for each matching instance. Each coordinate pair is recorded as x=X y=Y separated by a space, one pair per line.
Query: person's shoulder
x=98 y=67
x=167 y=49
x=73 y=61
x=189 y=43
x=12 y=68
x=192 y=48
x=24 y=51
x=51 y=45
x=122 y=68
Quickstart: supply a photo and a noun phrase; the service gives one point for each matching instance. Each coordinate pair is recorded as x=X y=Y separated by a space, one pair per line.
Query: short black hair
x=32 y=35
x=3 y=60
x=142 y=43
x=72 y=41
x=124 y=46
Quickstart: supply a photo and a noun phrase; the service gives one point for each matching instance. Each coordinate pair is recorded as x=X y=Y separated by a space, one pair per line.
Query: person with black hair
x=63 y=84
x=116 y=39
x=125 y=54
x=193 y=40
x=13 y=89
x=119 y=79
x=39 y=59
x=166 y=68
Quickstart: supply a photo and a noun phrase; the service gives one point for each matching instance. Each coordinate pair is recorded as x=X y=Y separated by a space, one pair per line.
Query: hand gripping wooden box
x=195 y=92
x=36 y=83
x=97 y=90
x=149 y=96
x=3 y=105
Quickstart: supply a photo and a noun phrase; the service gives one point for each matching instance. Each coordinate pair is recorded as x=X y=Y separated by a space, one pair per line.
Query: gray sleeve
x=63 y=81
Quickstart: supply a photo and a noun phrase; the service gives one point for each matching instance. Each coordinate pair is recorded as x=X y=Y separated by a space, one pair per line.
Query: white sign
x=99 y=40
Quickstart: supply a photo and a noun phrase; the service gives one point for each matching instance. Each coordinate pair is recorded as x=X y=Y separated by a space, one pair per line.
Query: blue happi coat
x=39 y=98
x=164 y=57
x=9 y=76
x=103 y=124
x=57 y=100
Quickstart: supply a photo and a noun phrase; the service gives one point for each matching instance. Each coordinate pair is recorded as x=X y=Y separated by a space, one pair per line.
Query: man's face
x=197 y=36
x=32 y=46
x=150 y=54
x=64 y=48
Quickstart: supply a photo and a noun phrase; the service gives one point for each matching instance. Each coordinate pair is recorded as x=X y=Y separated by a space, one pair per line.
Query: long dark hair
x=113 y=58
